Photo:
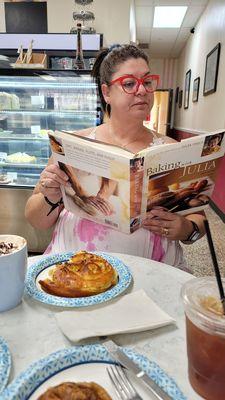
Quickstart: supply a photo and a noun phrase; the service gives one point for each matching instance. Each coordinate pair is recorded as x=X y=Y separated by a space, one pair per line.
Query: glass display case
x=32 y=102
x=30 y=105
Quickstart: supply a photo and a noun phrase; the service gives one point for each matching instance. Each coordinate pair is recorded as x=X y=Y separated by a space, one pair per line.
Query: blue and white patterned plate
x=31 y=287
x=67 y=364
x=5 y=363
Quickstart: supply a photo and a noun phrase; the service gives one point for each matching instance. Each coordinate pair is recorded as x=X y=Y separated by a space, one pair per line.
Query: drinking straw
x=215 y=264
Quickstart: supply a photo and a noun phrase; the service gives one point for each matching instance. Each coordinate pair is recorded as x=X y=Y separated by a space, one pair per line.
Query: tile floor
x=197 y=254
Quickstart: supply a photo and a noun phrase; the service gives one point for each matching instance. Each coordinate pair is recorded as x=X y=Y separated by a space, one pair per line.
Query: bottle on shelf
x=79 y=60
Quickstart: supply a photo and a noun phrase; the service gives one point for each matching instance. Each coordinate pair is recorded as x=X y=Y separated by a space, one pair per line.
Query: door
x=160 y=116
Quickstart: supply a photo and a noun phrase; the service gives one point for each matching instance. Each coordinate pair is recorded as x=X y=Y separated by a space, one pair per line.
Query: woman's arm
x=199 y=219
x=37 y=208
x=107 y=188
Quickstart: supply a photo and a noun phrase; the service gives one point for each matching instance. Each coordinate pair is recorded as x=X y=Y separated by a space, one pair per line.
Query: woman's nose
x=141 y=89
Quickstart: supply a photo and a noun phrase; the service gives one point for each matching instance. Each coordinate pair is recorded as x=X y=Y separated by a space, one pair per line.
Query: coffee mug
x=13 y=266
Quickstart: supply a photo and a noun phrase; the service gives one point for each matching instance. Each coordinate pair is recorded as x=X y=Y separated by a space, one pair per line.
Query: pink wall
x=218 y=196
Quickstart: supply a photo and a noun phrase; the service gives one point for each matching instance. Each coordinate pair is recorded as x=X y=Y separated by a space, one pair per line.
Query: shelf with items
x=60 y=48
x=15 y=136
x=21 y=174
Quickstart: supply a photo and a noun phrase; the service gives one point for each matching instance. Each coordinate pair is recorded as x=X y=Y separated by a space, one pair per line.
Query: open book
x=117 y=188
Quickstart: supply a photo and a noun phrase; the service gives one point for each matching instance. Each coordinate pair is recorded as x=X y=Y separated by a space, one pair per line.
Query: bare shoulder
x=84 y=132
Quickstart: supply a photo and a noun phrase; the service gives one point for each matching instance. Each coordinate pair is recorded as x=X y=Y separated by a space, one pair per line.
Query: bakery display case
x=32 y=102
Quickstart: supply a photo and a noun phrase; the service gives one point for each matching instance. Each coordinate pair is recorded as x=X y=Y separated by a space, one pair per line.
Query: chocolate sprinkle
x=7 y=248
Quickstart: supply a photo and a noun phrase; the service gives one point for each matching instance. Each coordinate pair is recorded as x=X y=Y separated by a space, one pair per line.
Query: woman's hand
x=171 y=225
x=50 y=180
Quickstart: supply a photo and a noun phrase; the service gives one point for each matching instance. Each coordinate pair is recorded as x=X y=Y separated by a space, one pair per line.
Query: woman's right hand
x=50 y=180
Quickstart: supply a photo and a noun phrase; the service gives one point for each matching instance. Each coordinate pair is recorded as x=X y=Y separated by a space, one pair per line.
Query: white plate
x=83 y=363
x=37 y=270
x=5 y=363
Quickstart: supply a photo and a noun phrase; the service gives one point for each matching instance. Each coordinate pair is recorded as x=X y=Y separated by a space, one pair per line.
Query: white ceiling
x=165 y=42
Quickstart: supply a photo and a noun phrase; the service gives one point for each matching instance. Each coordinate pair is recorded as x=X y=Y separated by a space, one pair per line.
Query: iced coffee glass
x=205 y=330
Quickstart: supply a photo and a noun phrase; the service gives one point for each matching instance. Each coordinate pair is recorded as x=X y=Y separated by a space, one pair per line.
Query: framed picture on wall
x=180 y=98
x=211 y=70
x=196 y=85
x=187 y=88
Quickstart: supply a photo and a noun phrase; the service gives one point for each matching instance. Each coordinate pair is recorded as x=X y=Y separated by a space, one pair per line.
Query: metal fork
x=123 y=387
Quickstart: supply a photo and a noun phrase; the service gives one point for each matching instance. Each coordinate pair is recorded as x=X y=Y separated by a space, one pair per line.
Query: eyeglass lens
x=131 y=84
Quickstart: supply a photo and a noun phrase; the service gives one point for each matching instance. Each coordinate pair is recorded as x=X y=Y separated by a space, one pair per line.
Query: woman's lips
x=143 y=103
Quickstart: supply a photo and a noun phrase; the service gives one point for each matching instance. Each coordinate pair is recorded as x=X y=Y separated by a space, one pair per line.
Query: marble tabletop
x=32 y=333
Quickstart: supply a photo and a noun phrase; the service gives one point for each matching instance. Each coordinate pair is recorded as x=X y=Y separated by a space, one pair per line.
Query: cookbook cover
x=181 y=177
x=117 y=188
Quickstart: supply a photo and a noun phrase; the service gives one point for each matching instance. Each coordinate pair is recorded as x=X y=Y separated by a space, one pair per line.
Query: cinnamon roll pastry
x=84 y=274
x=76 y=391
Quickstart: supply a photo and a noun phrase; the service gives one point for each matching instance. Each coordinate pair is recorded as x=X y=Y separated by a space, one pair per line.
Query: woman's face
x=214 y=142
x=137 y=105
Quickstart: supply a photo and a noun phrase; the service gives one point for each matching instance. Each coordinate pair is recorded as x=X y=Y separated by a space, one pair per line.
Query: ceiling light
x=169 y=17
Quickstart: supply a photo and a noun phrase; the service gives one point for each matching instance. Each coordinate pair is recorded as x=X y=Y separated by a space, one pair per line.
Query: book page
x=99 y=177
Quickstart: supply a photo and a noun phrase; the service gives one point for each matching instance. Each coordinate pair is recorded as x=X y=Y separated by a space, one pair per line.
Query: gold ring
x=165 y=231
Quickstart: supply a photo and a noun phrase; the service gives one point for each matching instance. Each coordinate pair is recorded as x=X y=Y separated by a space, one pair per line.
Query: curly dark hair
x=107 y=61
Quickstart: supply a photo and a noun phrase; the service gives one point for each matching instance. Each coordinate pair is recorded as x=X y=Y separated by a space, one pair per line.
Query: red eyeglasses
x=130 y=83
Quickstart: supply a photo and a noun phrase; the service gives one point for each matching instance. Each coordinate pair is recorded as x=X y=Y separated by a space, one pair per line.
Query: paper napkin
x=134 y=312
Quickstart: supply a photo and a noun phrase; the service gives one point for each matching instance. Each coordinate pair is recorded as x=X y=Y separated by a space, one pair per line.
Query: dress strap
x=93 y=133
x=156 y=139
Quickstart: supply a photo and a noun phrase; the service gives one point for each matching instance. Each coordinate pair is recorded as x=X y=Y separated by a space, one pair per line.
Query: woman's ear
x=106 y=92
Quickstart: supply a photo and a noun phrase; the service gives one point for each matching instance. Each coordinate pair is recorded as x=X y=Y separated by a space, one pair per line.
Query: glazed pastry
x=159 y=199
x=76 y=391
x=85 y=274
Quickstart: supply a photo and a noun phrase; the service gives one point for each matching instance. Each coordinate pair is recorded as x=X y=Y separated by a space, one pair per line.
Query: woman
x=126 y=91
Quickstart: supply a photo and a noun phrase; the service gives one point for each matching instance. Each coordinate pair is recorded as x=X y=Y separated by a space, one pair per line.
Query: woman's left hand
x=171 y=225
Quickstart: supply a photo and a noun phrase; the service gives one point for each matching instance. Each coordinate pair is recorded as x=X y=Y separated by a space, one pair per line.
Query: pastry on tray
x=84 y=274
x=20 y=158
x=4 y=179
x=76 y=391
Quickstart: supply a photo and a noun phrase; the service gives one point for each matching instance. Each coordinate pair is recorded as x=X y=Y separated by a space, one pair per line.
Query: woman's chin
x=141 y=113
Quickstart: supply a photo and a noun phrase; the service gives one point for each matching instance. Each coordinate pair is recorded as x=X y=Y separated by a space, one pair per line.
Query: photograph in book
x=212 y=144
x=85 y=192
x=117 y=188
